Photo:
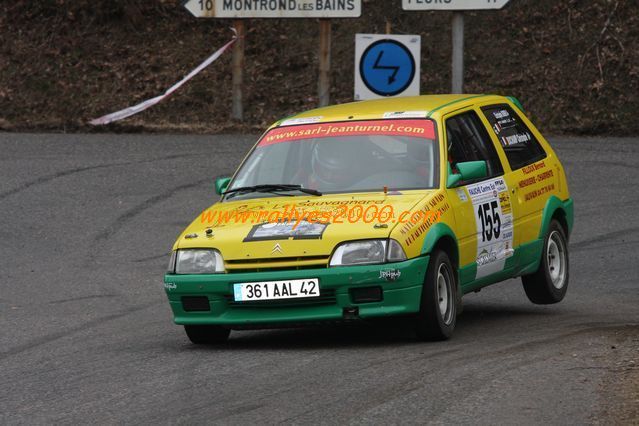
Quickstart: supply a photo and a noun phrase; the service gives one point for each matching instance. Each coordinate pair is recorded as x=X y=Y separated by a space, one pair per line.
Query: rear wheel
x=207 y=334
x=438 y=310
x=549 y=284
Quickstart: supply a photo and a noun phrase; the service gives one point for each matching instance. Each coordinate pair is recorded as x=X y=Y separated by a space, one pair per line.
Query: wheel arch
x=560 y=216
x=559 y=210
x=441 y=237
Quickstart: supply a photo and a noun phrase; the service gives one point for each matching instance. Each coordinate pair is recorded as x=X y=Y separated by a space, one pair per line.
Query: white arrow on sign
x=453 y=4
x=201 y=8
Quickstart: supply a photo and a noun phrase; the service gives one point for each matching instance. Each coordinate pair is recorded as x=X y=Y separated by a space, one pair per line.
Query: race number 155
x=488 y=215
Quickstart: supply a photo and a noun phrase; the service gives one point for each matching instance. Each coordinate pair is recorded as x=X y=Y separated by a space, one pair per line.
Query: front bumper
x=401 y=296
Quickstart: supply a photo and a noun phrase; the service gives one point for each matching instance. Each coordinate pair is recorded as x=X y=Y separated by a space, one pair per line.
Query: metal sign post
x=458 y=53
x=457 y=28
x=324 y=83
x=239 y=10
x=237 y=110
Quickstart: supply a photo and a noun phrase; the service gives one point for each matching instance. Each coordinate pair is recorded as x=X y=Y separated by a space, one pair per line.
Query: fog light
x=196 y=304
x=367 y=294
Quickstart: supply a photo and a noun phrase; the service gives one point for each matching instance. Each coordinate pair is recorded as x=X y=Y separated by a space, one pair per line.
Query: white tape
x=128 y=112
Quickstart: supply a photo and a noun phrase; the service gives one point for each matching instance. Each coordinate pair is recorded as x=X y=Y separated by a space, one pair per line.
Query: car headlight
x=171 y=268
x=367 y=252
x=198 y=261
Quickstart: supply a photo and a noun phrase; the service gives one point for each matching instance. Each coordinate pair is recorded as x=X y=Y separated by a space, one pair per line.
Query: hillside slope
x=573 y=63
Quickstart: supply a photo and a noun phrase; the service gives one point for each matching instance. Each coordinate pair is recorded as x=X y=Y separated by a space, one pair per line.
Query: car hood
x=240 y=234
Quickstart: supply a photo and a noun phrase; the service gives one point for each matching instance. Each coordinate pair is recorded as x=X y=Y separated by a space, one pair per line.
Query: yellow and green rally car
x=373 y=209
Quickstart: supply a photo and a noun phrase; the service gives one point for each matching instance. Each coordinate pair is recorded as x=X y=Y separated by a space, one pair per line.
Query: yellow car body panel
x=228 y=237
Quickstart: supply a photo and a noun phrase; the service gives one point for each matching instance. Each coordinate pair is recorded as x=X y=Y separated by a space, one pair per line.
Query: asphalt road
x=86 y=334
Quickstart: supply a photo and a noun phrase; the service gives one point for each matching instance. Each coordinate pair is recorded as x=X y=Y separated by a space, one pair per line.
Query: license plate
x=275 y=290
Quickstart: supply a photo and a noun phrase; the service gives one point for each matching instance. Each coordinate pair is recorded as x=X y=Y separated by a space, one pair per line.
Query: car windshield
x=343 y=157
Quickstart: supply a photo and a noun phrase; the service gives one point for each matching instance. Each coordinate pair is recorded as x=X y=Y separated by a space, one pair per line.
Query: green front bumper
x=401 y=296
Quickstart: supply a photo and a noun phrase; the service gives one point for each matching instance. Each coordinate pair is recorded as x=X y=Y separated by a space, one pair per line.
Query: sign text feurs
x=453 y=4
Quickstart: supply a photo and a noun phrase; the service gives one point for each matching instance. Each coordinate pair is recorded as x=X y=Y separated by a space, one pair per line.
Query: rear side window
x=520 y=145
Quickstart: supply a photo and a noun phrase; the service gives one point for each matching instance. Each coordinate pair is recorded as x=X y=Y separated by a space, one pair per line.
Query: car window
x=468 y=140
x=520 y=145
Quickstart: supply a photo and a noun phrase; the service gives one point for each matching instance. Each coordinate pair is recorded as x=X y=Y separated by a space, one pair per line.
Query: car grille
x=275 y=264
x=326 y=297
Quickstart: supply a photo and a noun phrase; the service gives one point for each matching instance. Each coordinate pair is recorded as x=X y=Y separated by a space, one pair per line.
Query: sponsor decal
x=533 y=167
x=286 y=230
x=545 y=175
x=503 y=121
x=501 y=114
x=500 y=185
x=539 y=192
x=406 y=114
x=412 y=128
x=508 y=129
x=534 y=179
x=461 y=193
x=493 y=216
x=170 y=286
x=504 y=201
x=515 y=139
x=430 y=214
x=420 y=231
x=390 y=274
x=486 y=257
x=527 y=182
x=302 y=120
x=436 y=200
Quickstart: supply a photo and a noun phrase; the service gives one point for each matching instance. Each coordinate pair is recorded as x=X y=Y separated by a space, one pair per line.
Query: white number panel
x=494 y=219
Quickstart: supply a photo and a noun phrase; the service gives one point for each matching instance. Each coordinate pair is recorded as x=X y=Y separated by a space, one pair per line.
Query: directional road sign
x=453 y=4
x=237 y=9
x=386 y=65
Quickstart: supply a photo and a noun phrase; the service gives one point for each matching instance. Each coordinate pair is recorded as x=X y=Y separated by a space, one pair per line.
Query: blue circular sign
x=387 y=67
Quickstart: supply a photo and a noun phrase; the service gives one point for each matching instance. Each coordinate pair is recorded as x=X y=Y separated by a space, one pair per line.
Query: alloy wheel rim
x=556 y=256
x=444 y=294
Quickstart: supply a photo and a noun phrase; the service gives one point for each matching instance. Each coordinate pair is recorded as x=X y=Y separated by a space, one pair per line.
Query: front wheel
x=438 y=310
x=207 y=334
x=549 y=284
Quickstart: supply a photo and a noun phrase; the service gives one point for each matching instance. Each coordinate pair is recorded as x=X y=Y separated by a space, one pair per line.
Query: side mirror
x=469 y=170
x=221 y=184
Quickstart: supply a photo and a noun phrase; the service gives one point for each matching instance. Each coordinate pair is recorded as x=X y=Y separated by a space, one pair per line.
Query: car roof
x=429 y=105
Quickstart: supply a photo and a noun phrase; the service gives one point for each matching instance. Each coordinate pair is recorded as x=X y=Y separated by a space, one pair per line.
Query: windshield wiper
x=273 y=188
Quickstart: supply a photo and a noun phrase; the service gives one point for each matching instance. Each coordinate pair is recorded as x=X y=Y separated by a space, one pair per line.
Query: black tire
x=432 y=324
x=549 y=284
x=207 y=334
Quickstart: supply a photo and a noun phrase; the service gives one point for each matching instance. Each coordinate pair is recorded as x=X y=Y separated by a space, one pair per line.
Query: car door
x=482 y=208
x=531 y=177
